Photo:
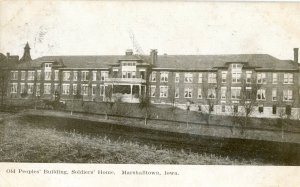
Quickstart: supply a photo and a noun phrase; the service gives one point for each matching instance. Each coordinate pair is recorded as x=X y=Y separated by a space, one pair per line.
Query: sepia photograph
x=148 y=82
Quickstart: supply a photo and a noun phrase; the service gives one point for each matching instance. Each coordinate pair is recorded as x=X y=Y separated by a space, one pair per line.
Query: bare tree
x=247 y=99
x=209 y=95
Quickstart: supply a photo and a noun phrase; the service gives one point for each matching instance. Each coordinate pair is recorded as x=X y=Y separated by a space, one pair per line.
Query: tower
x=26 y=56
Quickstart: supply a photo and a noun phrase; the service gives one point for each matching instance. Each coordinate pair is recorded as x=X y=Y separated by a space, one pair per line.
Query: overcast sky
x=97 y=28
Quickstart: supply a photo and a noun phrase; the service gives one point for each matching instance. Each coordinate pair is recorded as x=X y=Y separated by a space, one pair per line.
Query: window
x=212 y=78
x=23 y=74
x=288 y=78
x=66 y=89
x=163 y=91
x=223 y=92
x=30 y=75
x=56 y=88
x=188 y=77
x=30 y=88
x=128 y=74
x=152 y=91
x=14 y=88
x=94 y=88
x=84 y=89
x=66 y=75
x=38 y=89
x=211 y=93
x=261 y=78
x=48 y=65
x=199 y=93
x=56 y=78
x=22 y=88
x=261 y=94
x=38 y=75
x=224 y=76
x=249 y=93
x=75 y=75
x=275 y=78
x=84 y=75
x=188 y=92
x=287 y=95
x=74 y=89
x=94 y=75
x=176 y=92
x=236 y=77
x=153 y=76
x=261 y=109
x=274 y=94
x=47 y=88
x=14 y=75
x=176 y=77
x=288 y=110
x=235 y=92
x=248 y=77
x=236 y=67
x=47 y=75
x=164 y=76
x=274 y=109
x=200 y=78
x=104 y=75
x=102 y=90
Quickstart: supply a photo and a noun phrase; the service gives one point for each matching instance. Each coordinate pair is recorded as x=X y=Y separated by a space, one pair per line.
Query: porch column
x=104 y=95
x=140 y=90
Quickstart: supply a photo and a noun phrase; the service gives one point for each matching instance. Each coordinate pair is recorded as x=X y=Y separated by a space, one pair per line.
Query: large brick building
x=186 y=81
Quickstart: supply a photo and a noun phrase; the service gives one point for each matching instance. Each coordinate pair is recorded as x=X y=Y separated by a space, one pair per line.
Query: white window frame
x=163 y=91
x=164 y=76
x=94 y=75
x=14 y=88
x=47 y=85
x=65 y=89
x=288 y=78
x=211 y=92
x=22 y=88
x=274 y=78
x=248 y=77
x=94 y=89
x=152 y=91
x=75 y=89
x=200 y=77
x=48 y=75
x=261 y=78
x=31 y=75
x=14 y=75
x=177 y=77
x=102 y=90
x=56 y=75
x=84 y=75
x=236 y=93
x=176 y=94
x=38 y=75
x=104 y=75
x=153 y=76
x=212 y=77
x=86 y=90
x=66 y=75
x=188 y=92
x=262 y=93
x=199 y=93
x=38 y=89
x=287 y=95
x=23 y=75
x=75 y=78
x=56 y=87
x=274 y=94
x=223 y=92
x=188 y=77
x=236 y=77
x=224 y=76
x=30 y=88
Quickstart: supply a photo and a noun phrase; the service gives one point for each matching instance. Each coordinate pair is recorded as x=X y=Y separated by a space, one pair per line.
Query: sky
x=108 y=28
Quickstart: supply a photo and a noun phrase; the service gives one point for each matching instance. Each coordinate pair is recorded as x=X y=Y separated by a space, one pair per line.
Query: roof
x=182 y=62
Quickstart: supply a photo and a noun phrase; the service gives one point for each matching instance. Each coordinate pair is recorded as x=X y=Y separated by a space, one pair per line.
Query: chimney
x=153 y=55
x=129 y=52
x=296 y=55
x=7 y=54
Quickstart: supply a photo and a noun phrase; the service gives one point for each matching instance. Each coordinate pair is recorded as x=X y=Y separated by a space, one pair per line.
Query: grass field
x=22 y=142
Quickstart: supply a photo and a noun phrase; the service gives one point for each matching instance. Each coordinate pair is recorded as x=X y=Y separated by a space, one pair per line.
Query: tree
x=247 y=99
x=209 y=95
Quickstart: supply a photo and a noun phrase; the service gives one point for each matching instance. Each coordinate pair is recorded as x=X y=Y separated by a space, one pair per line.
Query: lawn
x=22 y=142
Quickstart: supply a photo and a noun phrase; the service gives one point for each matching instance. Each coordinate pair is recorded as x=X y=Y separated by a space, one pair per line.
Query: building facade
x=221 y=84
